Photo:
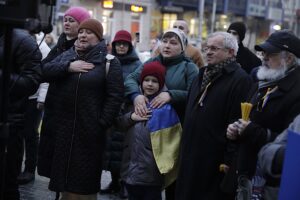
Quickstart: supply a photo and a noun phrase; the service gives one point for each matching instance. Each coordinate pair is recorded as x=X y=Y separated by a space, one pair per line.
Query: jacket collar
x=287 y=82
x=231 y=67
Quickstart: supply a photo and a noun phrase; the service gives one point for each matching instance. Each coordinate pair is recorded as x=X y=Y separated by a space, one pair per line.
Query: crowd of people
x=172 y=123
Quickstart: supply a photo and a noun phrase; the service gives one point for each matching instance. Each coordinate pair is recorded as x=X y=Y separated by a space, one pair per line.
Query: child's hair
x=155 y=69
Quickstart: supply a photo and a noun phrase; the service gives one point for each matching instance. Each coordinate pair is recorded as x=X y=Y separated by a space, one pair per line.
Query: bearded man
x=276 y=102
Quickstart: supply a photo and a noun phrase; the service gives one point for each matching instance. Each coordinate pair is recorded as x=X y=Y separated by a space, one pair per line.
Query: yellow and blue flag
x=165 y=132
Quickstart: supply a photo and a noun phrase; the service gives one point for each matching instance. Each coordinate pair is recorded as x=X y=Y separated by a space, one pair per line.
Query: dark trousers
x=247 y=158
x=170 y=191
x=115 y=178
x=141 y=192
x=31 y=136
x=12 y=161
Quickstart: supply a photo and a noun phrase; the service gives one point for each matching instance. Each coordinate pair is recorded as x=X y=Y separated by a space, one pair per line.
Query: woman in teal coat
x=180 y=72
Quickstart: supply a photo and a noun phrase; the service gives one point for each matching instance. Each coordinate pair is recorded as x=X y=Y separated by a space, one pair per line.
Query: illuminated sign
x=108 y=4
x=135 y=8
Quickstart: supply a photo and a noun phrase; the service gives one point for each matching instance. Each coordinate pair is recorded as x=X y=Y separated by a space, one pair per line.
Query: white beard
x=264 y=73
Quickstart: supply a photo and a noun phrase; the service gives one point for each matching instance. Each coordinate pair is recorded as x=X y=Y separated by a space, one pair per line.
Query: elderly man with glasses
x=213 y=102
x=275 y=100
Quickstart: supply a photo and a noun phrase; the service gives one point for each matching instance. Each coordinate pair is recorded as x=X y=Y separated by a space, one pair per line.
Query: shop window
x=168 y=20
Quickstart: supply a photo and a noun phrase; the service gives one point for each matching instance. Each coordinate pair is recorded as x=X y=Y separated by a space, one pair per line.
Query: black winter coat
x=62 y=45
x=25 y=73
x=45 y=154
x=114 y=146
x=247 y=59
x=204 y=145
x=267 y=122
x=87 y=104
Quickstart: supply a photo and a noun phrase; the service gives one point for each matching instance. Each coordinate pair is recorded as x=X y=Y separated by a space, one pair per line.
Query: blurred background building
x=151 y=17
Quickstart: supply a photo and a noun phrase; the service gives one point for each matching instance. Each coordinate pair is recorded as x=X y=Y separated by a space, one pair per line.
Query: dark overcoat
x=114 y=145
x=45 y=154
x=86 y=106
x=204 y=145
x=247 y=59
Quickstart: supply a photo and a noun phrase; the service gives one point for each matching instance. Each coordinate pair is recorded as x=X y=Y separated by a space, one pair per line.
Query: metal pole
x=201 y=13
x=213 y=17
x=282 y=15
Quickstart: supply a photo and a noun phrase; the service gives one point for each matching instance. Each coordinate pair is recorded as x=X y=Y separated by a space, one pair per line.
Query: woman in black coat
x=72 y=19
x=123 y=49
x=88 y=101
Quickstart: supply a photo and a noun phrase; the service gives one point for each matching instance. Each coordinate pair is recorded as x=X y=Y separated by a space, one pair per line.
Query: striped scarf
x=211 y=71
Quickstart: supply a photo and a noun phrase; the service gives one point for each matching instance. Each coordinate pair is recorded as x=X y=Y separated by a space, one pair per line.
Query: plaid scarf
x=211 y=71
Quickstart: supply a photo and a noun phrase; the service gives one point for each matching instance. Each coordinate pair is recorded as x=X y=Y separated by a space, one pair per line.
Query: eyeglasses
x=232 y=32
x=212 y=48
x=122 y=43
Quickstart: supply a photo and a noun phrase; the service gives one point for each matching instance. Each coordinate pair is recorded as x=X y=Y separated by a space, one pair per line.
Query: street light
x=213 y=17
x=201 y=12
x=276 y=27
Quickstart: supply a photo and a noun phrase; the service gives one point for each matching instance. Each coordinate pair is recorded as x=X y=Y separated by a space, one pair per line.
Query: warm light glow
x=224 y=16
x=192 y=27
x=192 y=21
x=108 y=4
x=277 y=27
x=135 y=8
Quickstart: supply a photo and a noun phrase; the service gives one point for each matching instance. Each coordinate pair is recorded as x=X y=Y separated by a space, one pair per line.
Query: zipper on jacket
x=73 y=131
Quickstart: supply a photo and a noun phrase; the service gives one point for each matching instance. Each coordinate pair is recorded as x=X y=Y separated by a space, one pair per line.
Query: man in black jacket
x=24 y=81
x=213 y=102
x=245 y=57
x=276 y=102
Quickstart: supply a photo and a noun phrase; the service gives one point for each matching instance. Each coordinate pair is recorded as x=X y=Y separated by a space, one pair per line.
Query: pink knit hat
x=78 y=13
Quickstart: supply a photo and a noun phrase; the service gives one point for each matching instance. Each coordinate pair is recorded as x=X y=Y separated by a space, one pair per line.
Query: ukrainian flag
x=165 y=132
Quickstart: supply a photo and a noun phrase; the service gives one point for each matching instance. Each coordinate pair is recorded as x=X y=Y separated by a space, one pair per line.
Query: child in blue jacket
x=152 y=142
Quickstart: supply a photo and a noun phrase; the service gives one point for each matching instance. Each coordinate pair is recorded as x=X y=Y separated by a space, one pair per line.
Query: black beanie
x=240 y=28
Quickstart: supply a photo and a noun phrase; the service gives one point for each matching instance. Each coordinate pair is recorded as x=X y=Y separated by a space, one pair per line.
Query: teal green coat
x=180 y=72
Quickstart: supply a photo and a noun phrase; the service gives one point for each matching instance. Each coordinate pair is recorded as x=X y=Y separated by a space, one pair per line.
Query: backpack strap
x=108 y=58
